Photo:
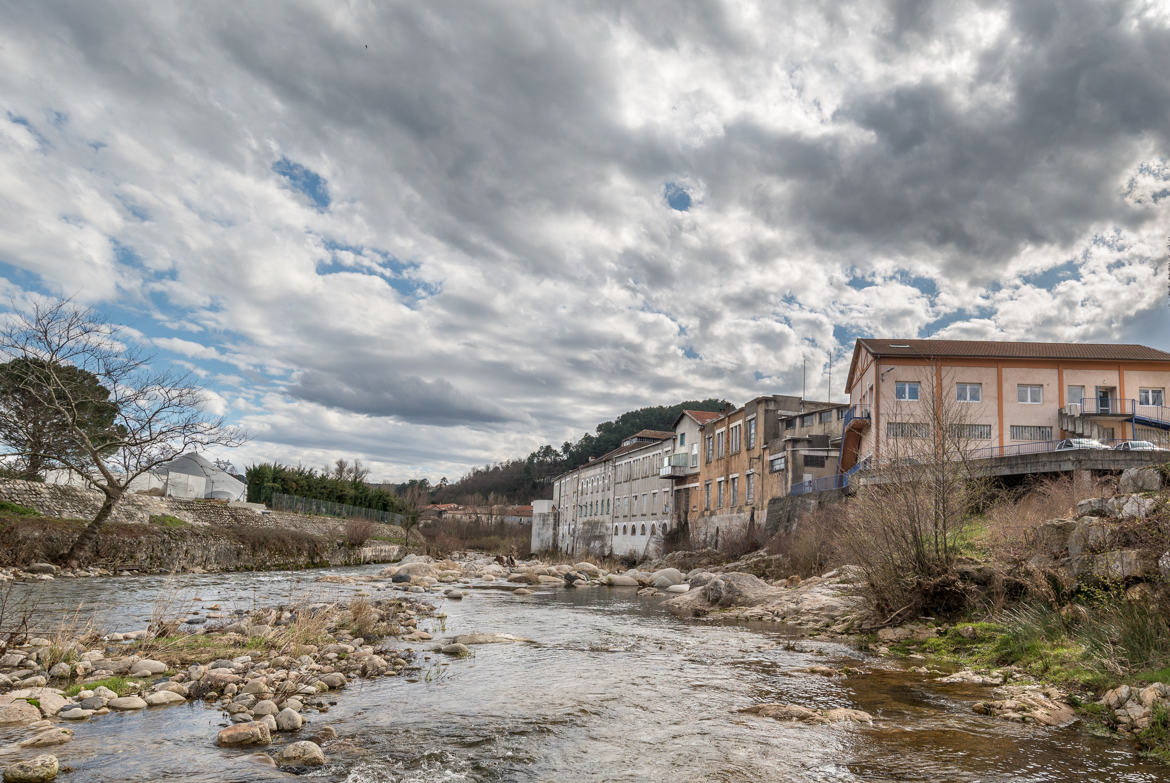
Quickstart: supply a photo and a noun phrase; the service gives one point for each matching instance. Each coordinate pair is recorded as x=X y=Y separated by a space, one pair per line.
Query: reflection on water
x=614 y=690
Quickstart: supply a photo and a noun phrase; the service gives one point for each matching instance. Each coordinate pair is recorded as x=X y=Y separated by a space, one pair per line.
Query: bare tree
x=905 y=527
x=159 y=414
x=415 y=497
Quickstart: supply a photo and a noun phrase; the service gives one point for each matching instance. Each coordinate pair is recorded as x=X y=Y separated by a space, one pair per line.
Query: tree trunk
x=85 y=541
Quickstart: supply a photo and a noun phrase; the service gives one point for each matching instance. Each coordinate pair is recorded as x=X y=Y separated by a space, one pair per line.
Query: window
x=969 y=392
x=734 y=491
x=719 y=492
x=906 y=390
x=777 y=464
x=643 y=528
x=615 y=530
x=624 y=530
x=694 y=455
x=907 y=429
x=749 y=487
x=826 y=416
x=971 y=431
x=720 y=444
x=841 y=413
x=652 y=527
x=735 y=438
x=707 y=495
x=1020 y=432
x=789 y=424
x=1151 y=397
x=682 y=439
x=1076 y=394
x=710 y=447
x=1030 y=394
x=814 y=460
x=808 y=420
x=751 y=433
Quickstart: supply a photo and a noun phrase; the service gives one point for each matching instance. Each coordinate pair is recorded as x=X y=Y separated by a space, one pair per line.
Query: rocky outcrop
x=1029 y=704
x=797 y=714
x=1134 y=709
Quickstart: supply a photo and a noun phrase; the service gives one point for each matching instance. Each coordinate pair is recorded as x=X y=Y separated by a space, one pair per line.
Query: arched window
x=652 y=529
x=643 y=528
x=615 y=529
x=623 y=530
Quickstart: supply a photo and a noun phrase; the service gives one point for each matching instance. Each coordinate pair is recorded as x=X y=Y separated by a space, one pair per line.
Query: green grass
x=119 y=685
x=17 y=510
x=166 y=520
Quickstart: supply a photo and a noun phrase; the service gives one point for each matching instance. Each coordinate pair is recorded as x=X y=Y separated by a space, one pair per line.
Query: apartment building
x=805 y=450
x=616 y=504
x=1002 y=396
x=682 y=466
x=736 y=477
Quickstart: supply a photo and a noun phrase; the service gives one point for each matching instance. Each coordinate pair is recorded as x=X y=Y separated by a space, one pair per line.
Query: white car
x=1074 y=444
x=1135 y=445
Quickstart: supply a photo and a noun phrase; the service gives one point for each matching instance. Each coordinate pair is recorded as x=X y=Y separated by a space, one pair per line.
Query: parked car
x=1135 y=445
x=1074 y=444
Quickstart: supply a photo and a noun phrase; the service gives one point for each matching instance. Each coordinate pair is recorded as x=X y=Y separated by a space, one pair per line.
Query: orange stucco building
x=1010 y=393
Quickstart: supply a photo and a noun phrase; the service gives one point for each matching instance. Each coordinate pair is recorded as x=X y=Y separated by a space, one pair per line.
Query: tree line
x=521 y=479
x=344 y=483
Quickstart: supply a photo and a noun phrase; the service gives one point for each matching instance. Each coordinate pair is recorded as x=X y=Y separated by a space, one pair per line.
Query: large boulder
x=736 y=589
x=36 y=770
x=18 y=713
x=666 y=577
x=415 y=570
x=1096 y=507
x=621 y=580
x=1140 y=480
x=301 y=754
x=242 y=734
x=1121 y=564
x=50 y=701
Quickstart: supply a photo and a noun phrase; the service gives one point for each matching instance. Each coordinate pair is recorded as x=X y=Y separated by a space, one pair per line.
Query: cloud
x=440 y=239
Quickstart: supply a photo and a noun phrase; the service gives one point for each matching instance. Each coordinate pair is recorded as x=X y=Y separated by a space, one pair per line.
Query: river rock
x=460 y=650
x=968 y=677
x=488 y=638
x=74 y=713
x=621 y=580
x=301 y=754
x=265 y=707
x=253 y=733
x=736 y=589
x=678 y=588
x=1029 y=704
x=55 y=736
x=796 y=713
x=455 y=594
x=666 y=577
x=60 y=671
x=51 y=702
x=526 y=591
x=588 y=569
x=18 y=713
x=334 y=680
x=147 y=667
x=289 y=719
x=164 y=698
x=1139 y=480
x=269 y=722
x=127 y=703
x=41 y=568
x=36 y=770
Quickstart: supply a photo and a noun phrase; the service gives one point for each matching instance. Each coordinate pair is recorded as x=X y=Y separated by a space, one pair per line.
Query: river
x=615 y=689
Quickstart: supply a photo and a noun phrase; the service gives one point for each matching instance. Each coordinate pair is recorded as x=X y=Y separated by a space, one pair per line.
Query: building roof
x=699 y=417
x=652 y=435
x=1006 y=349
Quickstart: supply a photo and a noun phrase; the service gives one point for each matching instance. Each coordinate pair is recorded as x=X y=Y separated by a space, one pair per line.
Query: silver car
x=1074 y=444
x=1135 y=445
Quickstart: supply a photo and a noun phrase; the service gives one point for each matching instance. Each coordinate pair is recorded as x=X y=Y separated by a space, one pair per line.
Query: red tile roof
x=702 y=417
x=1002 y=349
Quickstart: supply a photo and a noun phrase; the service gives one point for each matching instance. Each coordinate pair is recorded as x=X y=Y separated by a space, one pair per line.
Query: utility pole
x=829 y=394
x=803 y=380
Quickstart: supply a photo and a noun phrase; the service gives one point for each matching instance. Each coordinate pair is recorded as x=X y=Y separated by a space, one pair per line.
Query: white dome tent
x=192 y=476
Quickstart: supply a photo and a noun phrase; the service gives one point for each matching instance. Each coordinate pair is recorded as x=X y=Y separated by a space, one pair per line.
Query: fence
x=327 y=508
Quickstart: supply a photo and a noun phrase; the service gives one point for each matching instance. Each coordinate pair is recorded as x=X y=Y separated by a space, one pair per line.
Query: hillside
x=524 y=478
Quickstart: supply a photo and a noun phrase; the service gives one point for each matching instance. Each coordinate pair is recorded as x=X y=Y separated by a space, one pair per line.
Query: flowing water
x=614 y=689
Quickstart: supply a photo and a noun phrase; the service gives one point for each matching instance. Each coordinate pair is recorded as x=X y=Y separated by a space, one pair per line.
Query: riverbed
x=613 y=689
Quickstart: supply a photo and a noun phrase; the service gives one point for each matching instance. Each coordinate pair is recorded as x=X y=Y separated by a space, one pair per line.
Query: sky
x=438 y=235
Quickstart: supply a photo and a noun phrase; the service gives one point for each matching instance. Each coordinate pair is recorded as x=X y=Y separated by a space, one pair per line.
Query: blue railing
x=1091 y=406
x=856 y=412
x=824 y=484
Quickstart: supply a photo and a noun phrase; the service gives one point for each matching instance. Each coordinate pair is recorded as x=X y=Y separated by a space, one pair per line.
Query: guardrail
x=1157 y=414
x=856 y=412
x=839 y=481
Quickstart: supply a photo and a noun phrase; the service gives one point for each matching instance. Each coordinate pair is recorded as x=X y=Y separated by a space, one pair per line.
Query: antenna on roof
x=803 y=380
x=829 y=389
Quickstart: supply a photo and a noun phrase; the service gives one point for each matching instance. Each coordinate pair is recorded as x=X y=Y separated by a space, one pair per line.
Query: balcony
x=677 y=465
x=857 y=415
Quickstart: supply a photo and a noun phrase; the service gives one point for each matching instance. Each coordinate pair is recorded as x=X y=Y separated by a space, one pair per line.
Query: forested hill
x=523 y=479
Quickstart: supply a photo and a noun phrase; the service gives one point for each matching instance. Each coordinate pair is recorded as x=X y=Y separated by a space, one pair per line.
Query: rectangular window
x=789 y=424
x=720 y=444
x=808 y=420
x=971 y=431
x=1076 y=394
x=1021 y=432
x=826 y=416
x=707 y=495
x=907 y=429
x=749 y=487
x=694 y=455
x=1151 y=397
x=969 y=392
x=814 y=460
x=1030 y=394
x=777 y=464
x=734 y=491
x=735 y=438
x=751 y=433
x=682 y=439
x=710 y=447
x=906 y=390
x=841 y=413
x=719 y=493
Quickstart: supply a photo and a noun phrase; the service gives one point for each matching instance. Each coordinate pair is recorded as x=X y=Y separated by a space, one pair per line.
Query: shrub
x=357 y=531
x=444 y=536
x=811 y=545
x=17 y=510
x=167 y=520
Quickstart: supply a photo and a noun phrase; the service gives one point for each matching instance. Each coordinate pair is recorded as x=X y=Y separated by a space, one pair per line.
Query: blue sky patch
x=677 y=197
x=393 y=270
x=690 y=352
x=306 y=181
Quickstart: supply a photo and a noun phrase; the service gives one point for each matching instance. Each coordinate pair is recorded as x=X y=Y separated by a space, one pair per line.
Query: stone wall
x=66 y=502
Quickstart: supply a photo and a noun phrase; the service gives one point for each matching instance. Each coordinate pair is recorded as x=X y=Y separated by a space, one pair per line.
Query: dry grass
x=1013 y=517
x=445 y=536
x=811 y=546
